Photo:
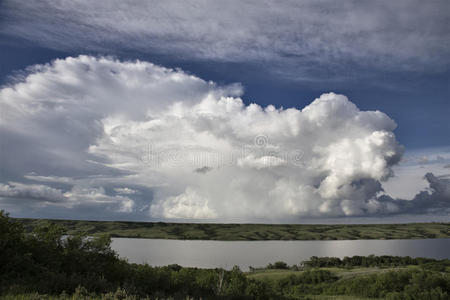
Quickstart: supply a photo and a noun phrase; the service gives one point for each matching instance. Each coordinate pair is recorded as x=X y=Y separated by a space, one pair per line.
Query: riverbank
x=45 y=265
x=248 y=232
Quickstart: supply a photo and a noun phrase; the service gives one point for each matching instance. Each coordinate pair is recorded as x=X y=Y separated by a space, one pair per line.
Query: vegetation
x=375 y=261
x=43 y=263
x=47 y=262
x=234 y=232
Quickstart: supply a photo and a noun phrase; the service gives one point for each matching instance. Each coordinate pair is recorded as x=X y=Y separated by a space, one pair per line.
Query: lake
x=226 y=254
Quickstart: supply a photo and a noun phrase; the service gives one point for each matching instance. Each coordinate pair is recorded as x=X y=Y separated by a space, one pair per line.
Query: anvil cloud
x=95 y=134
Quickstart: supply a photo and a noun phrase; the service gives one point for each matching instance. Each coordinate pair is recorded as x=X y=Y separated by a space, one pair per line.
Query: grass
x=274 y=275
x=248 y=232
x=112 y=297
x=271 y=274
x=340 y=297
x=343 y=273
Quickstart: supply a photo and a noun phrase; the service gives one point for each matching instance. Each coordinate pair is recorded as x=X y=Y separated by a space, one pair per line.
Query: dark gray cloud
x=203 y=170
x=436 y=199
x=438 y=195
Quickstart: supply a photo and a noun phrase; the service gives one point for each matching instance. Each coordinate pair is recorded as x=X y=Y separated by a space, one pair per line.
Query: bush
x=47 y=262
x=278 y=265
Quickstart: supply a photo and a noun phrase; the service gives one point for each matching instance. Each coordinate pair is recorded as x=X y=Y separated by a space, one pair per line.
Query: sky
x=236 y=111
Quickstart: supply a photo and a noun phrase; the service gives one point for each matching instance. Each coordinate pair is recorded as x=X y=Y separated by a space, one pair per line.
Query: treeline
x=47 y=262
x=395 y=285
x=429 y=280
x=385 y=261
x=375 y=261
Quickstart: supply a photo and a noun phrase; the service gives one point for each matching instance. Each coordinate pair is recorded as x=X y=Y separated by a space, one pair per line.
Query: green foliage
x=376 y=261
x=278 y=265
x=44 y=263
x=47 y=262
x=404 y=284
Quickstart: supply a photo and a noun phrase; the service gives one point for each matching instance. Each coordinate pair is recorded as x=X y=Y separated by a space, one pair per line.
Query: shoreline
x=249 y=232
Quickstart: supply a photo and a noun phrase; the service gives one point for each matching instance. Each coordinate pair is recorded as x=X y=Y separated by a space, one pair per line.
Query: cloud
x=96 y=197
x=125 y=137
x=31 y=191
x=203 y=170
x=188 y=205
x=438 y=195
x=125 y=191
x=251 y=161
x=435 y=199
x=57 y=179
x=409 y=173
x=307 y=39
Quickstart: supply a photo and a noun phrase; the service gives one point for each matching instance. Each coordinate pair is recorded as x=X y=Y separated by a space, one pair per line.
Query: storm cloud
x=137 y=139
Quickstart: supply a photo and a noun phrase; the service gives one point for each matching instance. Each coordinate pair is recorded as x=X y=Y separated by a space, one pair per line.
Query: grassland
x=343 y=273
x=248 y=232
x=344 y=277
x=113 y=296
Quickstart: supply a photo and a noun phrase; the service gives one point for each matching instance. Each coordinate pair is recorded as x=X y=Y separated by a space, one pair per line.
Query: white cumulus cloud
x=137 y=138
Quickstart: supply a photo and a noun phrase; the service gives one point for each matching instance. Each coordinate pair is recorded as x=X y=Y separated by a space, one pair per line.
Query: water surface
x=226 y=254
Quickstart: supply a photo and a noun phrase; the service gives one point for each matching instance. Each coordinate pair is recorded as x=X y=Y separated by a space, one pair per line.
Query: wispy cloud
x=306 y=39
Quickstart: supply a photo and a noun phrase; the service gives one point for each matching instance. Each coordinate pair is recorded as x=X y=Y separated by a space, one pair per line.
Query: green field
x=272 y=276
x=343 y=273
x=249 y=232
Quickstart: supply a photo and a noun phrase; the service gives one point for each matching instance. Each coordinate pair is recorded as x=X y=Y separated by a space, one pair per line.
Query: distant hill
x=247 y=232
